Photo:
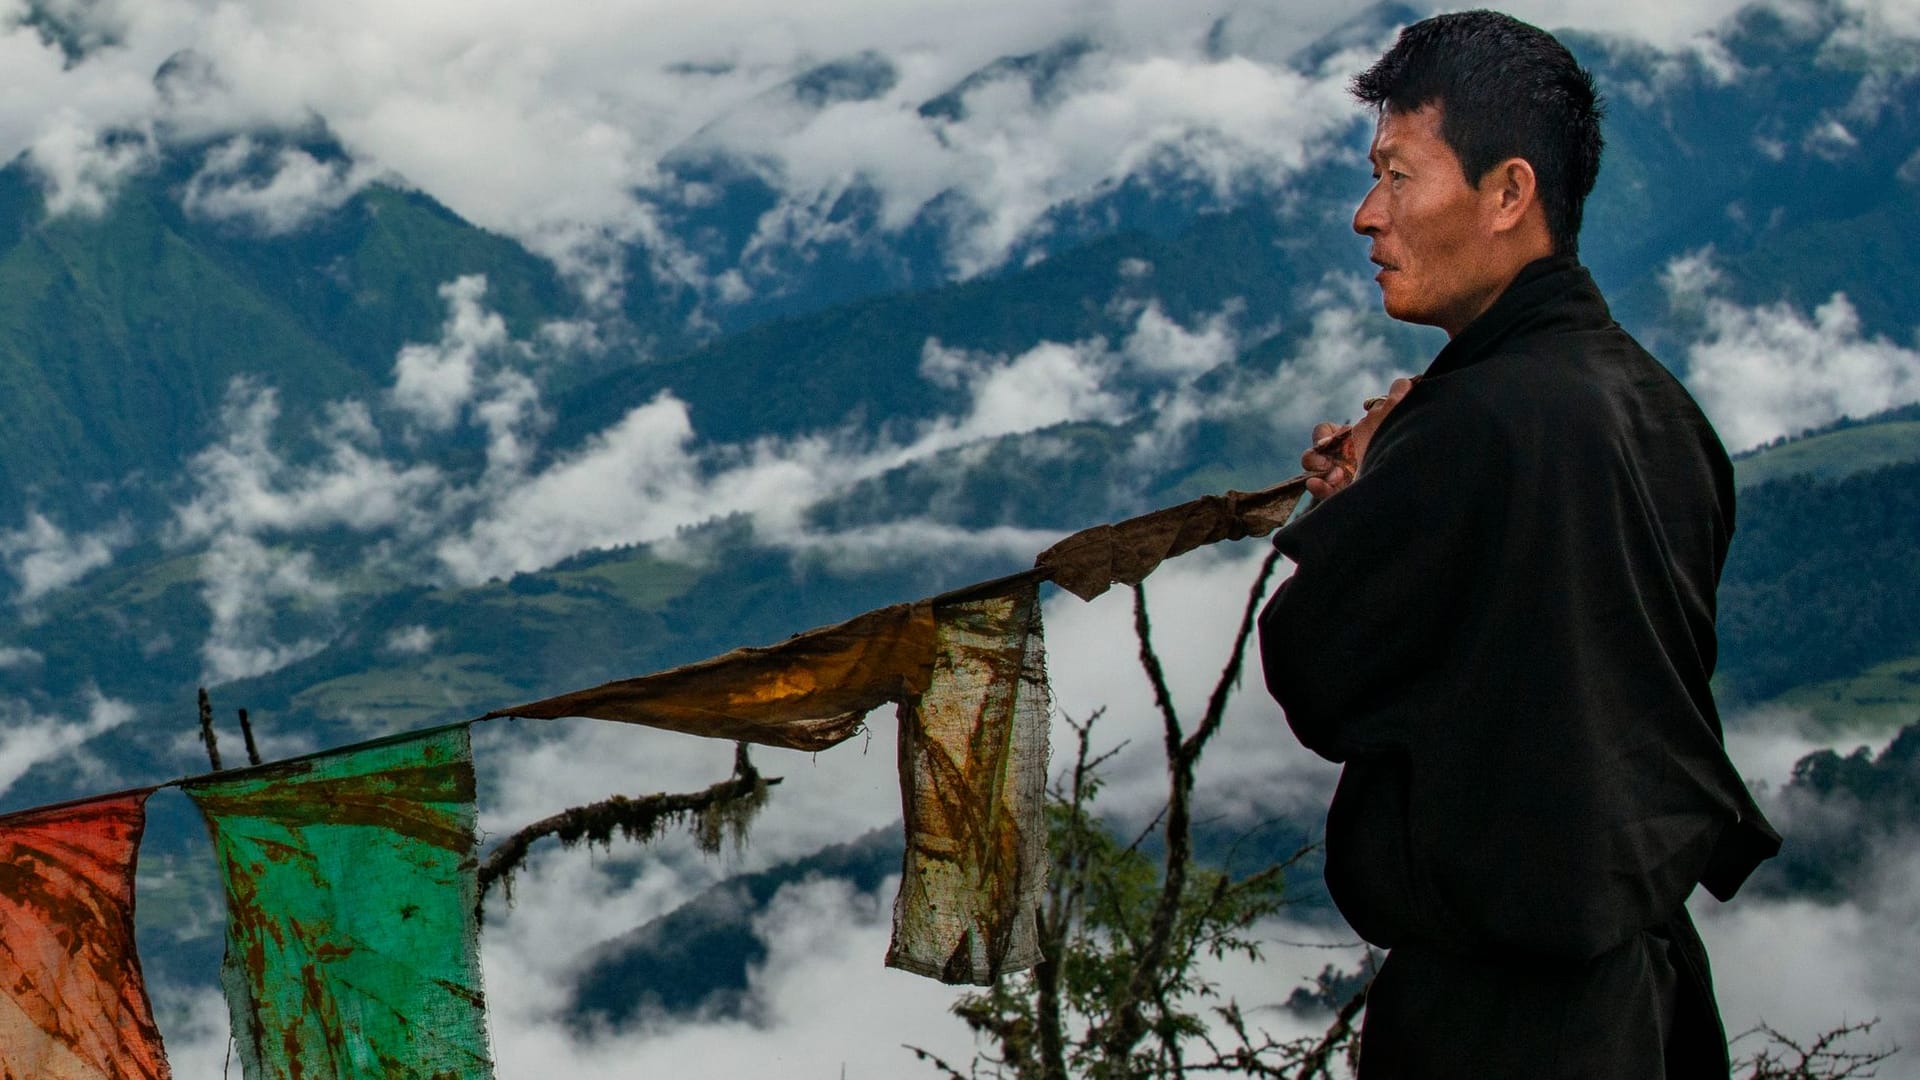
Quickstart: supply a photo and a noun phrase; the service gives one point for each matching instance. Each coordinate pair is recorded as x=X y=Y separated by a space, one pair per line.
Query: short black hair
x=1505 y=90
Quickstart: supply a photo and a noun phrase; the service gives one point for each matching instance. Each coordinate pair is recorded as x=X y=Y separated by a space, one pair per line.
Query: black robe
x=1504 y=628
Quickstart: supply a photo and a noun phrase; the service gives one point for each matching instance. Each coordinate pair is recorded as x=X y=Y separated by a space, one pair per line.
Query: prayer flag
x=809 y=692
x=1090 y=561
x=973 y=768
x=72 y=1003
x=351 y=934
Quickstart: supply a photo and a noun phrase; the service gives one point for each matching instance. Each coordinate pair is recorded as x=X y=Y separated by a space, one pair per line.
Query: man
x=1502 y=617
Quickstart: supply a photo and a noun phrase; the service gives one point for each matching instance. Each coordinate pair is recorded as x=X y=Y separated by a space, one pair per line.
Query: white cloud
x=827 y=1006
x=1806 y=967
x=15 y=657
x=28 y=739
x=1337 y=365
x=560 y=131
x=1767 y=371
x=299 y=188
x=243 y=582
x=1830 y=139
x=245 y=485
x=1254 y=770
x=82 y=167
x=43 y=557
x=413 y=640
x=434 y=382
x=1051 y=383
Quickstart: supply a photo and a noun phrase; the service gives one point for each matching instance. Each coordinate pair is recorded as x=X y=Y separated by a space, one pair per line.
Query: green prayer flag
x=351 y=934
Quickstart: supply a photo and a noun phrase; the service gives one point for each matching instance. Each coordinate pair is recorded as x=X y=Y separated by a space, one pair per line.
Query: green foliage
x=1104 y=894
x=1124 y=937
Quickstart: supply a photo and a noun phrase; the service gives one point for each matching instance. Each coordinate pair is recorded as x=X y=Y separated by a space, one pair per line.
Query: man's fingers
x=1328 y=482
x=1327 y=431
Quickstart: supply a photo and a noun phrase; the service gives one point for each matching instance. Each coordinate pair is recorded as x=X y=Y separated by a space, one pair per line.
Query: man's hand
x=1334 y=459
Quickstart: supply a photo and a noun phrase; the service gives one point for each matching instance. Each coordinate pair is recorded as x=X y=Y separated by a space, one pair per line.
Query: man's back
x=1522 y=583
x=1519 y=590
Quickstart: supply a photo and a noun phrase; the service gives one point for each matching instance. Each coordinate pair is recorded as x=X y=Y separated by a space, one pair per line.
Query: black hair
x=1505 y=90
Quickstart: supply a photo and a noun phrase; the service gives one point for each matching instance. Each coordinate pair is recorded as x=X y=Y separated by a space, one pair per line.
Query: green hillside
x=1820 y=581
x=1836 y=452
x=120 y=334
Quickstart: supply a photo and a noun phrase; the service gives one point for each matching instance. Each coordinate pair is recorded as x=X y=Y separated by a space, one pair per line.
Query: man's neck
x=1500 y=280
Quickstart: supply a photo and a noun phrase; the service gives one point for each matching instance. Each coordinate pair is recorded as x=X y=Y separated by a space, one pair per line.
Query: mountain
x=121 y=333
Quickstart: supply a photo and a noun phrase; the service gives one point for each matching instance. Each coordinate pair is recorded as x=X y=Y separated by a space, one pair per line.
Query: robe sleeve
x=1364 y=620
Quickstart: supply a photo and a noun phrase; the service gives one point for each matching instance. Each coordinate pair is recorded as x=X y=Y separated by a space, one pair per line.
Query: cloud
x=1253 y=771
x=242 y=583
x=1015 y=152
x=1051 y=383
x=28 y=739
x=648 y=476
x=43 y=558
x=250 y=504
x=1806 y=967
x=827 y=1006
x=1767 y=371
x=1337 y=365
x=81 y=168
x=14 y=657
x=573 y=132
x=296 y=187
x=413 y=640
x=245 y=486
x=434 y=382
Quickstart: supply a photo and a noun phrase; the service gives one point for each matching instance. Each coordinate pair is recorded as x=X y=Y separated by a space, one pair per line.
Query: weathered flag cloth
x=970 y=681
x=351 y=935
x=73 y=1005
x=973 y=773
x=809 y=692
x=1090 y=561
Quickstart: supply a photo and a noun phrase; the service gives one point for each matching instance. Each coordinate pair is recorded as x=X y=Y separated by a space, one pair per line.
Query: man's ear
x=1509 y=191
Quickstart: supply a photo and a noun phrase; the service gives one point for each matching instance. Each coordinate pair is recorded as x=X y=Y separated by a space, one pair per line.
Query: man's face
x=1426 y=224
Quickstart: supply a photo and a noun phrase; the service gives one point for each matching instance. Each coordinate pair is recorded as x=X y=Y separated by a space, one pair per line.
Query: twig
x=207 y=736
x=246 y=732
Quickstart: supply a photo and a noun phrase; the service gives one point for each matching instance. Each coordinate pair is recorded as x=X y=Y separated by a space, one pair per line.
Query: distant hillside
x=696 y=959
x=120 y=334
x=1837 y=450
x=1820 y=580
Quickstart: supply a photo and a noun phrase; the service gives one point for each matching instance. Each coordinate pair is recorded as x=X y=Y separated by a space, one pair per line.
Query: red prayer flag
x=72 y=1003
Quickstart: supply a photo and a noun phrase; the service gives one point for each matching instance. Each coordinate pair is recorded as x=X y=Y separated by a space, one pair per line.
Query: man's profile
x=1502 y=616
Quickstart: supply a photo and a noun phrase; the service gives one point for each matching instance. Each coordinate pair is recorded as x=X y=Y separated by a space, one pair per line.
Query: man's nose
x=1370 y=219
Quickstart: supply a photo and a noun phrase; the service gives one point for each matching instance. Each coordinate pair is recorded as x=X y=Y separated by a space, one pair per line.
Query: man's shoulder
x=1572 y=371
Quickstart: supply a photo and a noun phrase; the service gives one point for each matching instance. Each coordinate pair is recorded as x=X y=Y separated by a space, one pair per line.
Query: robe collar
x=1555 y=290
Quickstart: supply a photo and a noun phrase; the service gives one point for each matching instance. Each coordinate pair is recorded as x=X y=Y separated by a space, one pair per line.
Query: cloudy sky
x=561 y=127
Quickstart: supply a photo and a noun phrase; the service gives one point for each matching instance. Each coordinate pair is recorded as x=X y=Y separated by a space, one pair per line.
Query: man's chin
x=1399 y=307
